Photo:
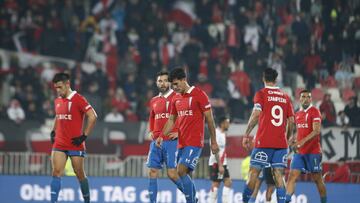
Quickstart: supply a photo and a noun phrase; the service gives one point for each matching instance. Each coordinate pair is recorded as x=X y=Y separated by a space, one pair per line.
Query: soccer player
x=274 y=113
x=159 y=113
x=266 y=175
x=215 y=176
x=307 y=146
x=189 y=108
x=68 y=136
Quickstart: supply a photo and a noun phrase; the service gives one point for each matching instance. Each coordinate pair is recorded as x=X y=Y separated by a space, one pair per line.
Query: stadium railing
x=26 y=163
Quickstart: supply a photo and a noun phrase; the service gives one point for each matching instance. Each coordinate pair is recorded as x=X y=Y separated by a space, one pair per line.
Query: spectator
x=342 y=173
x=312 y=63
x=353 y=112
x=293 y=64
x=327 y=109
x=120 y=101
x=342 y=120
x=343 y=75
x=15 y=112
x=114 y=116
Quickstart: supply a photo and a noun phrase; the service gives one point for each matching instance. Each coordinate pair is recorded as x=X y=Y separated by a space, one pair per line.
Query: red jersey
x=160 y=113
x=304 y=120
x=70 y=114
x=189 y=108
x=275 y=107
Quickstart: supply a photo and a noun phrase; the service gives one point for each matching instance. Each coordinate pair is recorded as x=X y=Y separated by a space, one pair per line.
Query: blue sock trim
x=252 y=200
x=85 y=190
x=323 y=199
x=153 y=189
x=288 y=198
x=55 y=188
x=280 y=194
x=188 y=187
x=179 y=185
x=247 y=194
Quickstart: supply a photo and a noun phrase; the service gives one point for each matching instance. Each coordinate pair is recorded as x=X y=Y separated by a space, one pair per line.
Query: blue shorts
x=306 y=163
x=189 y=156
x=268 y=157
x=71 y=152
x=167 y=154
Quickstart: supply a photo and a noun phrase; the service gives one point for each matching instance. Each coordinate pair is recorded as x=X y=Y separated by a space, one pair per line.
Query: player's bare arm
x=316 y=131
x=52 y=133
x=290 y=125
x=214 y=146
x=90 y=123
x=91 y=120
x=211 y=125
x=253 y=121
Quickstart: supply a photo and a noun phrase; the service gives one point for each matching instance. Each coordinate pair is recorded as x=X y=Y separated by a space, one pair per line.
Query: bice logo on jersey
x=64 y=116
x=185 y=113
x=302 y=125
x=161 y=115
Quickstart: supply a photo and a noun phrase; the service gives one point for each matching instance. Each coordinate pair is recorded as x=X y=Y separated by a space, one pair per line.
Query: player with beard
x=166 y=154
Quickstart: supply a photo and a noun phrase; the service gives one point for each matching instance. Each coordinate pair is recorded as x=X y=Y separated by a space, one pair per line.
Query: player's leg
x=154 y=164
x=278 y=164
x=58 y=161
x=317 y=177
x=270 y=184
x=269 y=191
x=257 y=187
x=188 y=158
x=214 y=191
x=153 y=185
x=314 y=166
x=77 y=161
x=227 y=186
x=170 y=150
x=215 y=182
x=259 y=159
x=296 y=167
x=251 y=184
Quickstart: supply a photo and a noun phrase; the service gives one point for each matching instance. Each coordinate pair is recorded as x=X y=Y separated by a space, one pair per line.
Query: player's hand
x=246 y=143
x=159 y=141
x=291 y=141
x=214 y=147
x=150 y=135
x=52 y=137
x=78 y=140
x=221 y=169
x=299 y=144
x=173 y=135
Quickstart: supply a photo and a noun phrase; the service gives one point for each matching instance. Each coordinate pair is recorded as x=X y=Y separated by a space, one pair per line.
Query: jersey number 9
x=277 y=114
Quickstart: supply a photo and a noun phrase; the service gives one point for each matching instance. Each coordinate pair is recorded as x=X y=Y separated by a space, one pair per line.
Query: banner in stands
x=340 y=143
x=16 y=189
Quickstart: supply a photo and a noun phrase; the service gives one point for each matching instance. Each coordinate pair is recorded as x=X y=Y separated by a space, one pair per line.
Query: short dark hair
x=270 y=75
x=221 y=119
x=177 y=74
x=304 y=91
x=163 y=72
x=61 y=77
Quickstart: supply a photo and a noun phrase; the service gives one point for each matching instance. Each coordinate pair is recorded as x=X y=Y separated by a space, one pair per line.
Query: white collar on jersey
x=271 y=87
x=305 y=110
x=71 y=95
x=190 y=89
x=167 y=94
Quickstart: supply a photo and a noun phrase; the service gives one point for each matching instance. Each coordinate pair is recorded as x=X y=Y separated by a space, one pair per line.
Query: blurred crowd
x=224 y=45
